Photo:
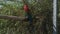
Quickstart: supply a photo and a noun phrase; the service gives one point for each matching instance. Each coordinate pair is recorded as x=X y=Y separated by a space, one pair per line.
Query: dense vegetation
x=40 y=8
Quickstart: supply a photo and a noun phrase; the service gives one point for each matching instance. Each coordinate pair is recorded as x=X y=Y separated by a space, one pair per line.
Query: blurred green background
x=40 y=8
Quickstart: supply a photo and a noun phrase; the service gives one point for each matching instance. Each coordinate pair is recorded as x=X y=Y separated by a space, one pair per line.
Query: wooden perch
x=13 y=17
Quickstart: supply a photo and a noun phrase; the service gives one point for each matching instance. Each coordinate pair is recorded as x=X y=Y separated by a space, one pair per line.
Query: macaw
x=29 y=15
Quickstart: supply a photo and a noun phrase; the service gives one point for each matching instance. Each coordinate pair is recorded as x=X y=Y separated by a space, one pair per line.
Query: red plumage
x=26 y=8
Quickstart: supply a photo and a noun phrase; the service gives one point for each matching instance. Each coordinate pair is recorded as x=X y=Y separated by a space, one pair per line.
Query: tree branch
x=13 y=17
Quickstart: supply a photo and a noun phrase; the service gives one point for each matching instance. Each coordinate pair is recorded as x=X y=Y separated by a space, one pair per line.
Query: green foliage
x=42 y=9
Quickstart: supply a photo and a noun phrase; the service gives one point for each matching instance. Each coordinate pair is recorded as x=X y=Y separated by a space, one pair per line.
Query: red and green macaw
x=29 y=15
